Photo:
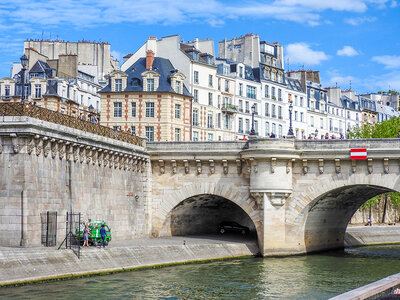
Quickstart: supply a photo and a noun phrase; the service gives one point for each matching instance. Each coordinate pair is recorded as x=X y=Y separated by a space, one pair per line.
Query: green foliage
x=385 y=129
x=370 y=203
x=394 y=197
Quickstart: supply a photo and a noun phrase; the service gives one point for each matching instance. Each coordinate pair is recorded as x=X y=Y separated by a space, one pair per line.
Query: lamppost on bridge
x=253 y=110
x=316 y=133
x=24 y=63
x=348 y=133
x=290 y=132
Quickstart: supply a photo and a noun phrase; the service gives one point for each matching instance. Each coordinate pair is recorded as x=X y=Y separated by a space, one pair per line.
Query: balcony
x=273 y=116
x=229 y=108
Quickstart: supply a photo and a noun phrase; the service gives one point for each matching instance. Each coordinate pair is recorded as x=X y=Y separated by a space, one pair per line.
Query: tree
x=385 y=129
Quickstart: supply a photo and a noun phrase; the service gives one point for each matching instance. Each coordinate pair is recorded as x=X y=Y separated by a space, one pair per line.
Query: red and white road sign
x=358 y=153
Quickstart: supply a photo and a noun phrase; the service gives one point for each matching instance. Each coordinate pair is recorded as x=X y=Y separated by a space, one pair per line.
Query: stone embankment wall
x=31 y=264
x=48 y=167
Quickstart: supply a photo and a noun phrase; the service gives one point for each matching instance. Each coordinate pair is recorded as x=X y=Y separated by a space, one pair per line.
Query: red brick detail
x=159 y=108
x=159 y=132
x=139 y=130
x=140 y=109
x=108 y=107
x=126 y=107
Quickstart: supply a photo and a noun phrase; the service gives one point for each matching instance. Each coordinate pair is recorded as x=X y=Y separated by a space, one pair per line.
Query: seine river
x=299 y=277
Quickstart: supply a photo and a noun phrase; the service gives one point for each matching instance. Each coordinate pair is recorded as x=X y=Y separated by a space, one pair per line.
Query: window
x=251 y=92
x=247 y=107
x=356 y=116
x=133 y=109
x=226 y=86
x=302 y=117
x=210 y=80
x=177 y=134
x=348 y=115
x=241 y=105
x=280 y=130
x=117 y=109
x=118 y=85
x=196 y=77
x=177 y=111
x=81 y=99
x=273 y=93
x=330 y=125
x=279 y=94
x=321 y=123
x=195 y=136
x=209 y=120
x=210 y=136
x=150 y=110
x=279 y=112
x=273 y=128
x=301 y=101
x=195 y=117
x=240 y=89
x=240 y=126
x=38 y=91
x=150 y=133
x=241 y=71
x=133 y=130
x=267 y=109
x=247 y=126
x=196 y=95
x=311 y=121
x=295 y=115
x=296 y=100
x=150 y=85
x=97 y=105
x=273 y=111
x=266 y=91
x=266 y=128
x=227 y=122
x=255 y=109
x=178 y=87
x=210 y=99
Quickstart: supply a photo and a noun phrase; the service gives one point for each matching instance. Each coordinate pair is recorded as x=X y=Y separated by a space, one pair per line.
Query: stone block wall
x=40 y=173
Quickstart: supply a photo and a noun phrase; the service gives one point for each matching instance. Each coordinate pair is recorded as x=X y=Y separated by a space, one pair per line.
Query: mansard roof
x=294 y=84
x=42 y=67
x=162 y=66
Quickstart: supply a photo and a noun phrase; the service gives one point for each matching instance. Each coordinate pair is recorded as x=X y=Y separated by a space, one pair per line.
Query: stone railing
x=20 y=109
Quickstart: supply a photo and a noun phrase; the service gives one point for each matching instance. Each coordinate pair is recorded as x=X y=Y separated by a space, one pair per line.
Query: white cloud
x=389 y=61
x=359 y=20
x=301 y=53
x=347 y=51
x=84 y=13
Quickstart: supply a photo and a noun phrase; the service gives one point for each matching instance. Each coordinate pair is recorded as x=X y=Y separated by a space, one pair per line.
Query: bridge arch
x=197 y=194
x=329 y=203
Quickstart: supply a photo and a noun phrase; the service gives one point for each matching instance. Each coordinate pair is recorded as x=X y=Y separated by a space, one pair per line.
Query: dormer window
x=118 y=85
x=241 y=72
x=150 y=85
x=178 y=85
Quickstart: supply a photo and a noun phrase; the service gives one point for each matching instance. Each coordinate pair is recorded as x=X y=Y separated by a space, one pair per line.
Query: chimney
x=149 y=59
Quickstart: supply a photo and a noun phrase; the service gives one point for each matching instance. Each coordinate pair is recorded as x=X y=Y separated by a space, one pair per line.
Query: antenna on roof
x=336 y=84
x=350 y=86
x=288 y=65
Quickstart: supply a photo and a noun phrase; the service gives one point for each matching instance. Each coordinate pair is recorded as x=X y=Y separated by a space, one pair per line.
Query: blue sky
x=346 y=40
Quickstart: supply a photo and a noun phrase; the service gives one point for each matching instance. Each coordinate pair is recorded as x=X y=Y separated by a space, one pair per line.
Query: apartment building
x=149 y=99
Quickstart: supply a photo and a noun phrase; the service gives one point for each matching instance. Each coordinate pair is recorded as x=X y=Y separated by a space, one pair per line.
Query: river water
x=319 y=276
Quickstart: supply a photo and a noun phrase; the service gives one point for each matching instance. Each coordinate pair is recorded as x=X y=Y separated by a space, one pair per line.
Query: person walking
x=86 y=236
x=103 y=234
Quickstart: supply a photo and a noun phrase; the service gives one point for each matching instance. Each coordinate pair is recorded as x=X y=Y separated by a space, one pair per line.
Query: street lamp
x=24 y=63
x=316 y=133
x=290 y=132
x=253 y=110
x=348 y=133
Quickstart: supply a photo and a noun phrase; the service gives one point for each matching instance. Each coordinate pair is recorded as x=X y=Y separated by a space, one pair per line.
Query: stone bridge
x=296 y=196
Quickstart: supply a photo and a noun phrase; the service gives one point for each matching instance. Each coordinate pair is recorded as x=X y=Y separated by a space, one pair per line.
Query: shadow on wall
x=201 y=214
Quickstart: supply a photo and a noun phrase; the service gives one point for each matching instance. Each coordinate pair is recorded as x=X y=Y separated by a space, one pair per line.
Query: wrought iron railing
x=20 y=109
